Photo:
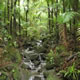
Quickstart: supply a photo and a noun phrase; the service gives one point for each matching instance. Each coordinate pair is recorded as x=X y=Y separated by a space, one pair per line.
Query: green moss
x=52 y=76
x=12 y=54
x=16 y=73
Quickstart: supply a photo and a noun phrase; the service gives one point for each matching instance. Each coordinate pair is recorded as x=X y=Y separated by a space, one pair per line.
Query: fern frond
x=67 y=16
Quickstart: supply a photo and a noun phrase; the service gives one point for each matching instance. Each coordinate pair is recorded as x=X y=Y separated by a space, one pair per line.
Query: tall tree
x=75 y=8
x=14 y=23
x=11 y=20
x=8 y=12
x=57 y=27
x=49 y=16
x=19 y=18
x=64 y=27
x=52 y=22
x=27 y=10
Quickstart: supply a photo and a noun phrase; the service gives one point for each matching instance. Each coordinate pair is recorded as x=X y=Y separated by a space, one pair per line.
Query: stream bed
x=35 y=64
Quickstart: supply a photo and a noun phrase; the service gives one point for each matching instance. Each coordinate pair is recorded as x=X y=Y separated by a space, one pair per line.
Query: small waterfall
x=40 y=76
x=36 y=71
x=30 y=64
x=39 y=43
x=37 y=77
x=43 y=63
x=40 y=58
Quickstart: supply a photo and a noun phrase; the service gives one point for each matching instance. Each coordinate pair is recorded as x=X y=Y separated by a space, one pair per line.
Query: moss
x=52 y=75
x=12 y=54
x=16 y=73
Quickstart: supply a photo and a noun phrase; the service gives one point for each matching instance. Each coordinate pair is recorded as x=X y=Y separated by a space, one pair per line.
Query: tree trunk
x=5 y=15
x=19 y=18
x=14 y=18
x=8 y=13
x=57 y=27
x=75 y=8
x=49 y=16
x=11 y=18
x=52 y=23
x=64 y=28
x=27 y=10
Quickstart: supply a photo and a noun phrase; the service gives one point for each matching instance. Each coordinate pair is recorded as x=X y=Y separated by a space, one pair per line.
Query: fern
x=66 y=17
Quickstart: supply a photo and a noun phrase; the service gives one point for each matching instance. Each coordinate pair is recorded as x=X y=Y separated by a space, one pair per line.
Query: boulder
x=36 y=63
x=49 y=66
x=34 y=56
x=37 y=78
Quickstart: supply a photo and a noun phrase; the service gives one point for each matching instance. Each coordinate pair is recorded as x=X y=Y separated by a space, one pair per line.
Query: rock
x=51 y=75
x=43 y=56
x=30 y=48
x=45 y=74
x=37 y=78
x=36 y=63
x=28 y=52
x=25 y=67
x=9 y=68
x=49 y=66
x=34 y=56
x=27 y=44
x=42 y=50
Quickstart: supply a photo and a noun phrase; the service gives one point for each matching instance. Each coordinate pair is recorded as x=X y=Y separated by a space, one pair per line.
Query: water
x=39 y=43
x=30 y=65
x=37 y=77
x=36 y=72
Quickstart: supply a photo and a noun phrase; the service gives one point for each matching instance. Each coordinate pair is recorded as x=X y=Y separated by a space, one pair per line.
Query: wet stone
x=37 y=78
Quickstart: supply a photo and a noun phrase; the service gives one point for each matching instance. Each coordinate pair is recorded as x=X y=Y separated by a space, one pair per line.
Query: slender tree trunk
x=8 y=13
x=15 y=17
x=52 y=23
x=49 y=16
x=19 y=18
x=75 y=8
x=70 y=22
x=11 y=18
x=64 y=28
x=27 y=10
x=57 y=27
x=5 y=15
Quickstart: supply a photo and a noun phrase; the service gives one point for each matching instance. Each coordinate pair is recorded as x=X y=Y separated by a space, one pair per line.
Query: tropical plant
x=50 y=57
x=71 y=73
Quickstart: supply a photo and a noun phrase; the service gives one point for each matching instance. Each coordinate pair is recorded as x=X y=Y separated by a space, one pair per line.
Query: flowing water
x=36 y=71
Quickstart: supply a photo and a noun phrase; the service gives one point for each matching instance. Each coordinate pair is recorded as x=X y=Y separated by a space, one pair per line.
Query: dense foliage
x=55 y=22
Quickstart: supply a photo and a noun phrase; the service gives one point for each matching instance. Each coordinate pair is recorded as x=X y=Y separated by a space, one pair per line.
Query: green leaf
x=66 y=17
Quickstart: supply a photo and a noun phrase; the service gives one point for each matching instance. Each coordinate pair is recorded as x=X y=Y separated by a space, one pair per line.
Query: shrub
x=71 y=73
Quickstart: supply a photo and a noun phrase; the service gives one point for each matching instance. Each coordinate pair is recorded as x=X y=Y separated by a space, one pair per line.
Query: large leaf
x=66 y=17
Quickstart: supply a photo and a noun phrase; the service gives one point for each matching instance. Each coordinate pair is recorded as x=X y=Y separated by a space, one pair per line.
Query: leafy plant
x=66 y=17
x=60 y=49
x=16 y=73
x=50 y=77
x=12 y=54
x=71 y=73
x=3 y=76
x=50 y=57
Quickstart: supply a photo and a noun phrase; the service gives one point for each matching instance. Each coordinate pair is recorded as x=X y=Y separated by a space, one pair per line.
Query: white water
x=30 y=64
x=33 y=69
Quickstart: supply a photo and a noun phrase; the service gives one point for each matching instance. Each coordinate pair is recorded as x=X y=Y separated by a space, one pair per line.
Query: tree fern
x=66 y=17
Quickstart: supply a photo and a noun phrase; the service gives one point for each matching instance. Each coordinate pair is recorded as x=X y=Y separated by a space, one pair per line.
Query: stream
x=35 y=64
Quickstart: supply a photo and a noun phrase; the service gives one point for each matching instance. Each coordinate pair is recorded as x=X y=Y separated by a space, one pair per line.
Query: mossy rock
x=36 y=63
x=51 y=75
x=34 y=56
x=49 y=66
